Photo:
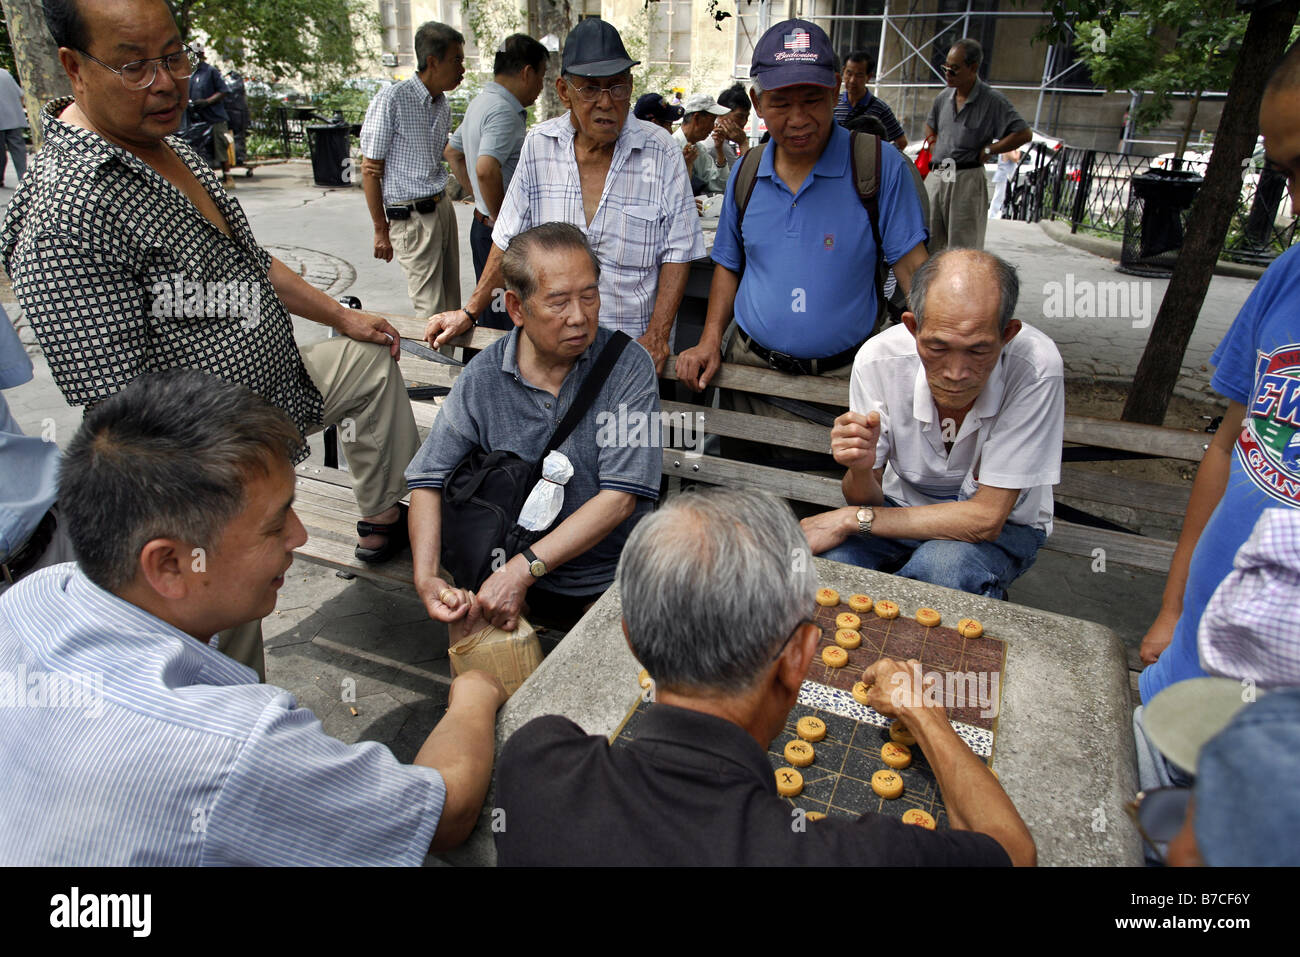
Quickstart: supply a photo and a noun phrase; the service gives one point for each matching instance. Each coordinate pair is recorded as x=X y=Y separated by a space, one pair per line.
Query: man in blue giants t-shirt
x=1249 y=465
x=802 y=286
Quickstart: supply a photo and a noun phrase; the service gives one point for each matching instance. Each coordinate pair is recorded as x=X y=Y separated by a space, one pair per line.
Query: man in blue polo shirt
x=801 y=287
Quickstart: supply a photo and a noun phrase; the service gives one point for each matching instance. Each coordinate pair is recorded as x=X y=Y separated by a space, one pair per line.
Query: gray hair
x=713 y=584
x=971 y=51
x=1003 y=272
x=433 y=39
x=167 y=457
x=516 y=261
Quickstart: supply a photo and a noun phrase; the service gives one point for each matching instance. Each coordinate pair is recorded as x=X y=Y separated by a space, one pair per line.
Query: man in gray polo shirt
x=484 y=150
x=512 y=396
x=972 y=123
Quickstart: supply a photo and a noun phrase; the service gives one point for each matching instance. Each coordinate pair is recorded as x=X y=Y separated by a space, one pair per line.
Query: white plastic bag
x=547 y=497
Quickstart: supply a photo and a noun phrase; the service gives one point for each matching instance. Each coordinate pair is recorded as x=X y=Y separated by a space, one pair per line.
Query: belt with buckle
x=792 y=365
x=485 y=220
x=403 y=210
x=29 y=553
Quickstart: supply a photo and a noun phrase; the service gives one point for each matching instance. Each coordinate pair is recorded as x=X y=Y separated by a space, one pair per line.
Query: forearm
x=373 y=187
x=303 y=299
x=722 y=300
x=585 y=528
x=491 y=280
x=966 y=521
x=972 y=796
x=862 y=487
x=461 y=748
x=424 y=521
x=456 y=160
x=1011 y=141
x=672 y=286
x=491 y=185
x=1207 y=492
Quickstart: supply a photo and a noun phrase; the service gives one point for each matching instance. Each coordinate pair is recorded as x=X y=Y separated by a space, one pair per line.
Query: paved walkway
x=343 y=646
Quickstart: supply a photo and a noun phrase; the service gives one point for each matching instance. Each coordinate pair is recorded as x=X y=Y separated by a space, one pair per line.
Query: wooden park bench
x=327 y=508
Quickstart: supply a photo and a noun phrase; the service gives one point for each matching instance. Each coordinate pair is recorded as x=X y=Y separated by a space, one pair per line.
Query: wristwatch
x=866 y=515
x=536 y=567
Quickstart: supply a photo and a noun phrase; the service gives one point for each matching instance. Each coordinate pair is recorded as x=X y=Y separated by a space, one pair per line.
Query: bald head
x=1286 y=75
x=971 y=276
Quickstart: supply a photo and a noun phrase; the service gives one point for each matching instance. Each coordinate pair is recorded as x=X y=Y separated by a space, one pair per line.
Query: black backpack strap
x=746 y=176
x=865 y=157
x=591 y=387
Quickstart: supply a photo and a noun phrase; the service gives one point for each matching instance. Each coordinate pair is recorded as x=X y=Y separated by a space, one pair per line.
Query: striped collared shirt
x=407 y=128
x=1249 y=627
x=126 y=742
x=646 y=216
x=869 y=105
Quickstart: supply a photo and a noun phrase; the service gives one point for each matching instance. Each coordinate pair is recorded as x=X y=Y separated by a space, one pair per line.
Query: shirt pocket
x=639 y=238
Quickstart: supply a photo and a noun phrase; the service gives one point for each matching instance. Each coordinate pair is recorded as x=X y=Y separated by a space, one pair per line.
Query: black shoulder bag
x=486 y=491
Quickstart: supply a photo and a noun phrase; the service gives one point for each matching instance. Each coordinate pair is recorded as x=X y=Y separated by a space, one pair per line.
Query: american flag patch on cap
x=799 y=40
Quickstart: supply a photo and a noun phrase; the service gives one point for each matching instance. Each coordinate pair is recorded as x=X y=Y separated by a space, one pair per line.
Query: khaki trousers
x=428 y=248
x=365 y=396
x=959 y=208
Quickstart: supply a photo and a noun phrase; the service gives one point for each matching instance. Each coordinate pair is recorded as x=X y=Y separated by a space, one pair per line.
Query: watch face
x=538 y=568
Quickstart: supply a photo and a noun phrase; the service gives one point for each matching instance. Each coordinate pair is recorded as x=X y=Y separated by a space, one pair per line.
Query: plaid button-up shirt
x=119 y=274
x=1249 y=628
x=646 y=215
x=407 y=129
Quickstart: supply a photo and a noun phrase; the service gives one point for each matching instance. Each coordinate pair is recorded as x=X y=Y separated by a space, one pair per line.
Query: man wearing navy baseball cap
x=800 y=281
x=622 y=183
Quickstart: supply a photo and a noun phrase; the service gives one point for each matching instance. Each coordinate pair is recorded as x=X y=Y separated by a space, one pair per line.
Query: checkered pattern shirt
x=101 y=248
x=407 y=129
x=1249 y=629
x=646 y=216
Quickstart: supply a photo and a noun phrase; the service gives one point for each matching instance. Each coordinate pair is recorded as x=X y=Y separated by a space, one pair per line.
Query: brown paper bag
x=510 y=655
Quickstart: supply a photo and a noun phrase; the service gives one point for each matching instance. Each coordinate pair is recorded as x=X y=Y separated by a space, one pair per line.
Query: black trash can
x=1158 y=201
x=331 y=154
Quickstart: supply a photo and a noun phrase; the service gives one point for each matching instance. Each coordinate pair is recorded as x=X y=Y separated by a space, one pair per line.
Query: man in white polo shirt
x=953 y=438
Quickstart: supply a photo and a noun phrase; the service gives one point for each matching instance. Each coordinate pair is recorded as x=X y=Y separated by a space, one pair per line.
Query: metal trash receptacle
x=1153 y=222
x=331 y=154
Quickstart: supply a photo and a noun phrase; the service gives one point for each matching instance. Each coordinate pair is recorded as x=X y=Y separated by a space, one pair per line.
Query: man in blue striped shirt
x=126 y=737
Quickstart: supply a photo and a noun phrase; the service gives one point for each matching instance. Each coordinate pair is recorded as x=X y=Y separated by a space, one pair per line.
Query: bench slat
x=739 y=425
x=1134 y=437
x=1163 y=498
x=816 y=489
x=1120 y=547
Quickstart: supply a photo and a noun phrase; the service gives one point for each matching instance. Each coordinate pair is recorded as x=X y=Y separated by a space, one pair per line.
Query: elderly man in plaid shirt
x=618 y=179
x=404 y=177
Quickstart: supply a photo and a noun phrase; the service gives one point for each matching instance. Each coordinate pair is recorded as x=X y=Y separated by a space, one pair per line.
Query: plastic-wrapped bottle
x=547 y=497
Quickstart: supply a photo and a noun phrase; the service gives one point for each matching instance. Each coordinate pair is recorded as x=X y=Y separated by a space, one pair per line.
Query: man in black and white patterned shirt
x=128 y=257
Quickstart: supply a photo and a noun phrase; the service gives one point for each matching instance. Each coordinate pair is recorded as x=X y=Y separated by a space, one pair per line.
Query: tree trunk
x=37 y=59
x=1187 y=130
x=1157 y=373
x=553 y=17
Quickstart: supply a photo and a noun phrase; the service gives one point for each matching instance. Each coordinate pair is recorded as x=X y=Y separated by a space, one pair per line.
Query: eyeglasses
x=1159 y=816
x=137 y=74
x=619 y=92
x=951 y=70
x=794 y=631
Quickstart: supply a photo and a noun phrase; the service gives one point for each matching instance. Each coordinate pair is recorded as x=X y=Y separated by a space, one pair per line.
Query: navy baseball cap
x=594 y=48
x=791 y=53
x=653 y=107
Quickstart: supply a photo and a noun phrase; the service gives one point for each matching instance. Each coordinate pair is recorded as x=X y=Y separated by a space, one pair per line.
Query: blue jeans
x=982 y=568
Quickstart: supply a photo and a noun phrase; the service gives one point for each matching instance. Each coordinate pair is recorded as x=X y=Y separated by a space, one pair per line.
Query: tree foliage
x=319 y=41
x=1167 y=47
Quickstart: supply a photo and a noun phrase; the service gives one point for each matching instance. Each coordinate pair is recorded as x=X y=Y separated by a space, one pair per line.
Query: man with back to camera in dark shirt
x=718 y=592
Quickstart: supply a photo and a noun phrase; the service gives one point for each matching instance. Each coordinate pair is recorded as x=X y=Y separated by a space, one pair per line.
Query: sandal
x=398 y=537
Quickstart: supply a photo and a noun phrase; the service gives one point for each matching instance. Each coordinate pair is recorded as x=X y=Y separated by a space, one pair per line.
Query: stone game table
x=1064 y=747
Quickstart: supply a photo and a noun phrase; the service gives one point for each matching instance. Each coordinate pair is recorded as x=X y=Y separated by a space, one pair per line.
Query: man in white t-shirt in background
x=953 y=438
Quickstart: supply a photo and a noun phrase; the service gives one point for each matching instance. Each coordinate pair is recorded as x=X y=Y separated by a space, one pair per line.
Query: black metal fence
x=1089 y=189
x=278 y=129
